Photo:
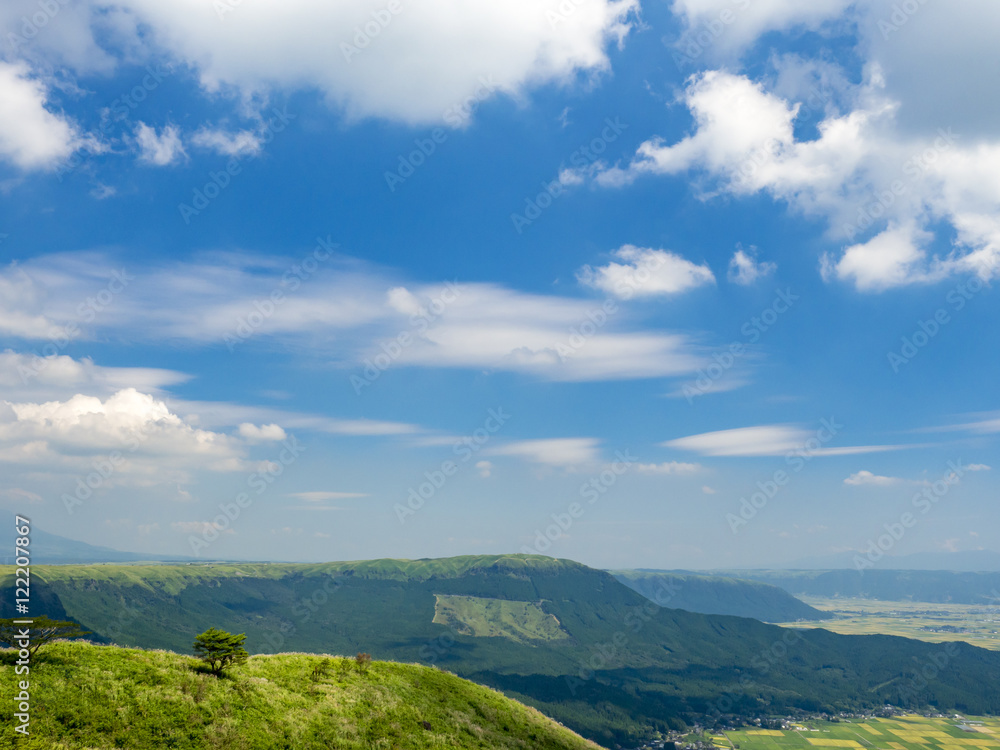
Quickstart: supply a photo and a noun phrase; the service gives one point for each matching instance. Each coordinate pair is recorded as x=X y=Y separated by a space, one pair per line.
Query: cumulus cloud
x=31 y=135
x=424 y=63
x=645 y=272
x=60 y=376
x=745 y=269
x=891 y=258
x=68 y=435
x=861 y=173
x=725 y=27
x=558 y=452
x=263 y=434
x=159 y=149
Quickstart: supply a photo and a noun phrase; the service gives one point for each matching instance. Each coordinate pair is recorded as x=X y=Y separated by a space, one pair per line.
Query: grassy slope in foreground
x=103 y=697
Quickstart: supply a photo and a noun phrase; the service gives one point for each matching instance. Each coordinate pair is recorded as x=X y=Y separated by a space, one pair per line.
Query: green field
x=497 y=618
x=972 y=623
x=899 y=733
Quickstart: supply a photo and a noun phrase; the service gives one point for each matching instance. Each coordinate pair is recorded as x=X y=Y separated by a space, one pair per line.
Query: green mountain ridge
x=88 y=697
x=720 y=595
x=624 y=668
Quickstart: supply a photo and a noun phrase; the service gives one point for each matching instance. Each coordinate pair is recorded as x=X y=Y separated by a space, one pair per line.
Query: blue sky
x=703 y=283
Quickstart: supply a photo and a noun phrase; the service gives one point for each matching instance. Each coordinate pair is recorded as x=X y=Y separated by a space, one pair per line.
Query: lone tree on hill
x=41 y=631
x=219 y=649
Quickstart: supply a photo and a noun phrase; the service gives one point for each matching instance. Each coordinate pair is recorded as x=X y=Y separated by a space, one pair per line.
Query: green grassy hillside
x=88 y=697
x=718 y=595
x=570 y=640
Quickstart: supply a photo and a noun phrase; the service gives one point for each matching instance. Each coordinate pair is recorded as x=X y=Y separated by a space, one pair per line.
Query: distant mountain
x=936 y=586
x=52 y=549
x=567 y=639
x=967 y=561
x=718 y=595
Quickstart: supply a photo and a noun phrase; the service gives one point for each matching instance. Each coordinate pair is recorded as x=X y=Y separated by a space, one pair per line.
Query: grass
x=89 y=697
x=898 y=733
x=936 y=623
x=497 y=618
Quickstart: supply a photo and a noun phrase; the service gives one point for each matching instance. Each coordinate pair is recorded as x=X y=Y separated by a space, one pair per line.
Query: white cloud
x=645 y=272
x=708 y=490
x=263 y=434
x=978 y=467
x=31 y=136
x=560 y=452
x=668 y=467
x=243 y=142
x=867 y=478
x=485 y=469
x=861 y=173
x=347 y=313
x=419 y=65
x=161 y=149
x=68 y=435
x=19 y=495
x=889 y=259
x=58 y=376
x=768 y=440
x=319 y=497
x=745 y=269
x=729 y=26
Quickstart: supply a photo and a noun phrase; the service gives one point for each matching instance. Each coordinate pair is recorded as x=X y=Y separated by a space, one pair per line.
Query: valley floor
x=972 y=623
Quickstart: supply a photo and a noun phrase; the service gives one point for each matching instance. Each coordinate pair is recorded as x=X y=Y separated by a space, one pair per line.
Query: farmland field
x=972 y=623
x=898 y=733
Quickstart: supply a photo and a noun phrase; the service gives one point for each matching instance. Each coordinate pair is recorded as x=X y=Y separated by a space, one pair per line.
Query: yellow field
x=899 y=733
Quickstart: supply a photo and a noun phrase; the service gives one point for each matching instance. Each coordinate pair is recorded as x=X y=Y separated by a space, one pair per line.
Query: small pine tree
x=41 y=631
x=219 y=649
